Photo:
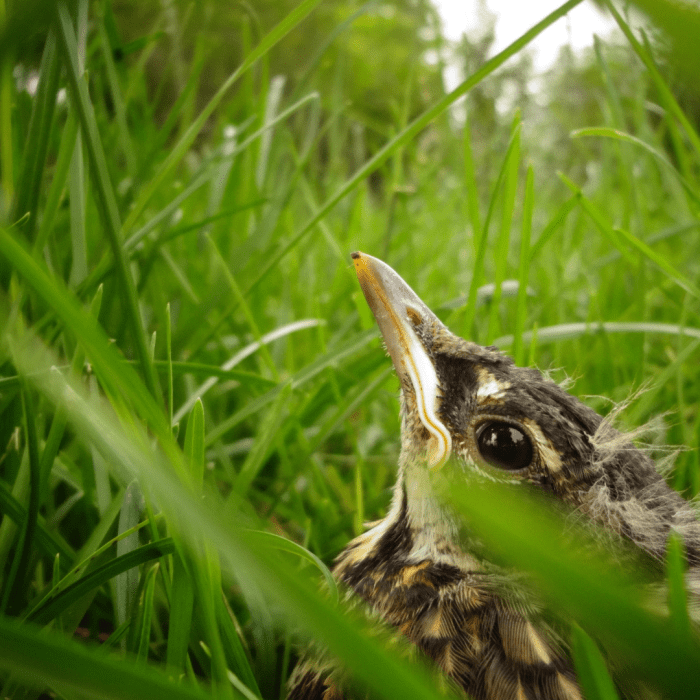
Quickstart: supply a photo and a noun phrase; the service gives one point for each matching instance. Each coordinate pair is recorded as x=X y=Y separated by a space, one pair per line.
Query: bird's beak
x=397 y=309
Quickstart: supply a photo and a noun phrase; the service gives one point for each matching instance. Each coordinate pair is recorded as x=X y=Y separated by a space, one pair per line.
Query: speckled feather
x=412 y=569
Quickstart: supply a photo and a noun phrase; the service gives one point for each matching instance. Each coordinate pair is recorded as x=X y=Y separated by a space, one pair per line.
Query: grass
x=197 y=414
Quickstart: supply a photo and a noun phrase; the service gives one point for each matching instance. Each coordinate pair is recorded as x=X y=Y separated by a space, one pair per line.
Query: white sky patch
x=514 y=18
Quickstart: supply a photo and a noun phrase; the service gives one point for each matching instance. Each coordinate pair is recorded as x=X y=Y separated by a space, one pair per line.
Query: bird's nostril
x=414 y=317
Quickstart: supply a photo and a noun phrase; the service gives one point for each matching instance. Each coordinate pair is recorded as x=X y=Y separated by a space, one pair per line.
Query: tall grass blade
x=53 y=606
x=264 y=440
x=50 y=659
x=194 y=444
x=248 y=350
x=127 y=583
x=661 y=262
x=58 y=183
x=105 y=193
x=146 y=617
x=7 y=158
x=117 y=98
x=510 y=186
x=590 y=667
x=299 y=379
x=552 y=227
x=238 y=660
x=482 y=243
x=566 y=331
x=470 y=181
x=677 y=595
x=284 y=545
x=523 y=269
x=15 y=585
x=103 y=356
x=29 y=181
x=618 y=135
x=48 y=542
x=180 y=618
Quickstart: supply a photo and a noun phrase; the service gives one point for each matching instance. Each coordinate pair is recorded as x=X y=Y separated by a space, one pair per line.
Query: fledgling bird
x=471 y=402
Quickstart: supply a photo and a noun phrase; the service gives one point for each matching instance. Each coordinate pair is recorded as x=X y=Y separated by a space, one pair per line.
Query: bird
x=463 y=401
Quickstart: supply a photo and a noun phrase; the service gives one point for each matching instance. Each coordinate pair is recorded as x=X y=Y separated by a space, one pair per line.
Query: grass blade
x=7 y=174
x=127 y=583
x=660 y=262
x=481 y=245
x=57 y=187
x=15 y=585
x=616 y=134
x=180 y=619
x=34 y=156
x=523 y=270
x=264 y=440
x=104 y=357
x=299 y=379
x=194 y=444
x=50 y=543
x=52 y=607
x=510 y=186
x=566 y=331
x=50 y=659
x=117 y=98
x=551 y=228
x=590 y=666
x=470 y=181
x=146 y=617
x=599 y=219
x=677 y=595
x=284 y=545
x=104 y=190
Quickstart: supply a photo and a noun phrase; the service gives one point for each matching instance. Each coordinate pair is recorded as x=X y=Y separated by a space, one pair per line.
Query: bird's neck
x=417 y=529
x=428 y=519
x=433 y=531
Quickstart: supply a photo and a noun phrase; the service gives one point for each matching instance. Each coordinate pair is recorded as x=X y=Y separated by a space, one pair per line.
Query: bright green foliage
x=196 y=414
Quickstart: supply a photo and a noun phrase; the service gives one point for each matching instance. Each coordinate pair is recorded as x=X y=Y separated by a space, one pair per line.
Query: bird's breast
x=474 y=634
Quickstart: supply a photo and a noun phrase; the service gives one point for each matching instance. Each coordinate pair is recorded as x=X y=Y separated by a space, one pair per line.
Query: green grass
x=196 y=413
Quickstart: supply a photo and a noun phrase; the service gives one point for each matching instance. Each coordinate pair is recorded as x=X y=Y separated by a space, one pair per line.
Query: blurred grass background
x=181 y=185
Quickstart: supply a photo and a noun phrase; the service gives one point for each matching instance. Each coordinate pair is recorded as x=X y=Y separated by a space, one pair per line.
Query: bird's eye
x=503 y=445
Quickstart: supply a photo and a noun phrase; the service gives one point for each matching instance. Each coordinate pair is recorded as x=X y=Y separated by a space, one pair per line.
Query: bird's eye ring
x=504 y=445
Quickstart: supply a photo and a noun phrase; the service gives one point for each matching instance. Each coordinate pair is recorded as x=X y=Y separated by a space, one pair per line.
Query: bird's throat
x=434 y=530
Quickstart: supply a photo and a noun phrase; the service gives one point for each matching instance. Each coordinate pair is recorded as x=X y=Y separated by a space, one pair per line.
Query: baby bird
x=471 y=402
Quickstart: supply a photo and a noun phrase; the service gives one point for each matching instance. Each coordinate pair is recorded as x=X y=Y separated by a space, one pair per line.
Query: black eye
x=503 y=445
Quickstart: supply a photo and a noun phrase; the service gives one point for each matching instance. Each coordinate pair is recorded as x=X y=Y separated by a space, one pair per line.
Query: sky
x=514 y=17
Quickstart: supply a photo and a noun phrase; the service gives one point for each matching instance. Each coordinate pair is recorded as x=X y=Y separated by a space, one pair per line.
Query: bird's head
x=471 y=402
